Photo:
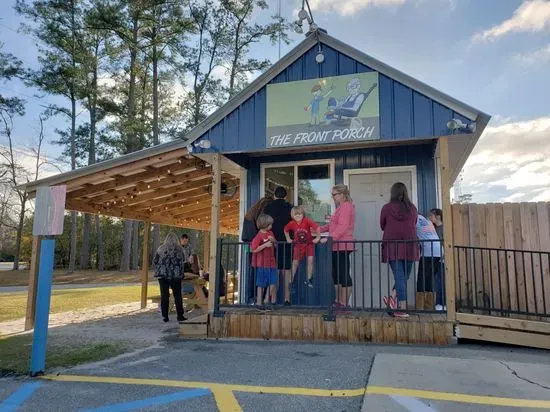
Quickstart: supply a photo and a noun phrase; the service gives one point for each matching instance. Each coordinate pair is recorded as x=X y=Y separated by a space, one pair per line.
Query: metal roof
x=261 y=81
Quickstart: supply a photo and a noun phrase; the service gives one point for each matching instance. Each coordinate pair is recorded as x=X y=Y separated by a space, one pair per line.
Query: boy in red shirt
x=303 y=241
x=263 y=259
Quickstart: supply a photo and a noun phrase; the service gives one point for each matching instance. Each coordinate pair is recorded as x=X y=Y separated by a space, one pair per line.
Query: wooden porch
x=346 y=327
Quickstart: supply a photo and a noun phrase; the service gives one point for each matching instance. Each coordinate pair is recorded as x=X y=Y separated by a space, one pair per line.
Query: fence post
x=445 y=172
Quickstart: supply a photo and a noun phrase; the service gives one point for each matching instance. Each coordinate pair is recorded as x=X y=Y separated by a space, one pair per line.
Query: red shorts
x=301 y=250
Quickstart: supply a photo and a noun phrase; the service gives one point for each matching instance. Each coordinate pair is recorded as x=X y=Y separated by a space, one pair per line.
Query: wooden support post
x=445 y=172
x=33 y=284
x=214 y=229
x=145 y=264
x=206 y=250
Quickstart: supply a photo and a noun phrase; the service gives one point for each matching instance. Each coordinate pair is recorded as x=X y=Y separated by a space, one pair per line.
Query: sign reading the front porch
x=339 y=109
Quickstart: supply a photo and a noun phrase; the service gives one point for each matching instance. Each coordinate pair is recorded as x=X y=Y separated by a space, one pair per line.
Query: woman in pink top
x=340 y=229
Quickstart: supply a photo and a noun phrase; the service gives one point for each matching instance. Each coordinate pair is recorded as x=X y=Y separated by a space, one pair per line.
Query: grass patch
x=61 y=277
x=13 y=305
x=15 y=354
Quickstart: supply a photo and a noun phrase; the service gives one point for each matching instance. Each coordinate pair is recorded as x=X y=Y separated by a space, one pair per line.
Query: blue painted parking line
x=157 y=400
x=19 y=396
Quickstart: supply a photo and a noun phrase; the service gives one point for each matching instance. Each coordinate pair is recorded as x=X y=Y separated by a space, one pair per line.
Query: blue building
x=325 y=113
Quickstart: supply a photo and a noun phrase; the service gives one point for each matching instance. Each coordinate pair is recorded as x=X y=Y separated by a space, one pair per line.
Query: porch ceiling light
x=457 y=124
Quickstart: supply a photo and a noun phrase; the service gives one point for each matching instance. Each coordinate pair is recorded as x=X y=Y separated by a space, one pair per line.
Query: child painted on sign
x=313 y=106
x=302 y=229
x=263 y=260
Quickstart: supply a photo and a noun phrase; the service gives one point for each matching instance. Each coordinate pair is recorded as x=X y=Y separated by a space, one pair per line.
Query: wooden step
x=195 y=328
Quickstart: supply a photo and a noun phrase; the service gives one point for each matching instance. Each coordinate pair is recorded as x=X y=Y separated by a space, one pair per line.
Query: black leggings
x=165 y=286
x=340 y=268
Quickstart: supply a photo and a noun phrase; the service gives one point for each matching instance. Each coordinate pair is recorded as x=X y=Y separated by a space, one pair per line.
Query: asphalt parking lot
x=288 y=376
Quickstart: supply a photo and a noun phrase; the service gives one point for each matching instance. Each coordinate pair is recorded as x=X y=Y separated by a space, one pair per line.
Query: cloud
x=349 y=7
x=535 y=57
x=531 y=16
x=511 y=162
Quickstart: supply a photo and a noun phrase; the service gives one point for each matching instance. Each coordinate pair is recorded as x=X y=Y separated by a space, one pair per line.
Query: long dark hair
x=400 y=194
x=257 y=208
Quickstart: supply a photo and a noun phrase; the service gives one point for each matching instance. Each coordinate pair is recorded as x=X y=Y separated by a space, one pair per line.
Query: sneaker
x=165 y=320
x=182 y=320
x=287 y=303
x=439 y=308
x=309 y=283
x=402 y=315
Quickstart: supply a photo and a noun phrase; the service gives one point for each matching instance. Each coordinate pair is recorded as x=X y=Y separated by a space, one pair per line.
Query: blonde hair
x=297 y=209
x=264 y=221
x=344 y=190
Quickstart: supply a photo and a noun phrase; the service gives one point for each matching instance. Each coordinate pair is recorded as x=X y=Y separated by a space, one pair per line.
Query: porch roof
x=164 y=185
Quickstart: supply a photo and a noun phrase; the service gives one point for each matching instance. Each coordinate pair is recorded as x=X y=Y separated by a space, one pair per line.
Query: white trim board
x=394 y=169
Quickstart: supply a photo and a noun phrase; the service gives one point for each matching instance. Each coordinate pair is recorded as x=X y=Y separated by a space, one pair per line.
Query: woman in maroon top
x=398 y=222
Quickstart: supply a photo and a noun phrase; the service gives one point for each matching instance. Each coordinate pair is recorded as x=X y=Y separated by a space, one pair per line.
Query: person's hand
x=324 y=240
x=272 y=239
x=268 y=244
x=289 y=241
x=315 y=240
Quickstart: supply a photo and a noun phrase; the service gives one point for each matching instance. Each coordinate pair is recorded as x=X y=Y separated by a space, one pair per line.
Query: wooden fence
x=491 y=278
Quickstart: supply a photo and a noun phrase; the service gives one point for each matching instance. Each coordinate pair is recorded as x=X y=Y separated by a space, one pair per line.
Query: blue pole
x=40 y=335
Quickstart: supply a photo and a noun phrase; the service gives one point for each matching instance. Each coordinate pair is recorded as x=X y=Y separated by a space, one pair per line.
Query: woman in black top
x=169 y=268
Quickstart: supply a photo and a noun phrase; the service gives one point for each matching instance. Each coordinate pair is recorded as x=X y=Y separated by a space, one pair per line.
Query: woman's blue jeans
x=401 y=272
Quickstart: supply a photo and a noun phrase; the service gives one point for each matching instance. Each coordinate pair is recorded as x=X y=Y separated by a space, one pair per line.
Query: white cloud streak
x=540 y=56
x=349 y=7
x=511 y=162
x=530 y=16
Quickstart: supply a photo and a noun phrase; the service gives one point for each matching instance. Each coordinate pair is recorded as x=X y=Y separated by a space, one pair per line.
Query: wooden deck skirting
x=351 y=327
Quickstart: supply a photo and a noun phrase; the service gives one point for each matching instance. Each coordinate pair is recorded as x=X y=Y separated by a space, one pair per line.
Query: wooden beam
x=33 y=284
x=144 y=186
x=445 y=172
x=504 y=323
x=125 y=168
x=120 y=181
x=206 y=250
x=145 y=264
x=184 y=206
x=511 y=337
x=225 y=206
x=161 y=193
x=126 y=213
x=214 y=229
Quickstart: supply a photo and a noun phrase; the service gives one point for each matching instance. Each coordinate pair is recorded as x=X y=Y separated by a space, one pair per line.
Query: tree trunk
x=126 y=245
x=72 y=261
x=17 y=254
x=100 y=250
x=85 y=247
x=135 y=246
x=156 y=242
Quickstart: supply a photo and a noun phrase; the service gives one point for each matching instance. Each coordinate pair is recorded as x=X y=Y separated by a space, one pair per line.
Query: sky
x=491 y=54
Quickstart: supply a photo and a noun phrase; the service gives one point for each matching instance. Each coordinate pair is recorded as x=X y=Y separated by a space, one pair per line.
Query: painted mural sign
x=329 y=110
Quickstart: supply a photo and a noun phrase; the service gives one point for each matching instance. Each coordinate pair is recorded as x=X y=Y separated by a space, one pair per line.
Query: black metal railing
x=368 y=286
x=503 y=282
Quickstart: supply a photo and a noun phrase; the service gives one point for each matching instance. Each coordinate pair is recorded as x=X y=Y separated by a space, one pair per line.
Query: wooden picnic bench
x=197 y=299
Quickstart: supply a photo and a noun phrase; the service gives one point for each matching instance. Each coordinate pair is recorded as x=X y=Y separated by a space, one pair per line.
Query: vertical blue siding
x=404 y=113
x=421 y=156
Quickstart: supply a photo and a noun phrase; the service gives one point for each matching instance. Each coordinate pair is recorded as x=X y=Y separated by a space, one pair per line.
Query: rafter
x=183 y=206
x=121 y=180
x=171 y=179
x=120 y=170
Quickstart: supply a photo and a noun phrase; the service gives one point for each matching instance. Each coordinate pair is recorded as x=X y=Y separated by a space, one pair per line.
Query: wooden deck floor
x=302 y=325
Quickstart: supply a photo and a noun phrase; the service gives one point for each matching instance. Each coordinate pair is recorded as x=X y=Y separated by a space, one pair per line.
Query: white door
x=372 y=279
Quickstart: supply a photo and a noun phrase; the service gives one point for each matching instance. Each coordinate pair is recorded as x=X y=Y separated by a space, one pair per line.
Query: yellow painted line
x=226 y=401
x=278 y=390
x=459 y=397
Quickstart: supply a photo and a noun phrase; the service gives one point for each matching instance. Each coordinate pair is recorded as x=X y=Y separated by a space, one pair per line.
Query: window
x=308 y=184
